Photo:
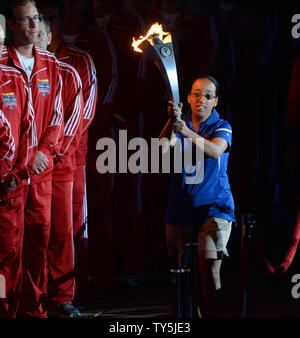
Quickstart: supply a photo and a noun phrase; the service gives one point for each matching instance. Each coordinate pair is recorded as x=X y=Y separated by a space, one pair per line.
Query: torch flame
x=155 y=29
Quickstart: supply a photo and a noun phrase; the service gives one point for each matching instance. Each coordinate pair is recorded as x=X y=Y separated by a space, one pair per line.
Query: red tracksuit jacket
x=65 y=162
x=85 y=67
x=98 y=44
x=15 y=123
x=45 y=85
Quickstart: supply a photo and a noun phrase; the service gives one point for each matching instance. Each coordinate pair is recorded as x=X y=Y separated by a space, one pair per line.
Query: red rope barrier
x=238 y=309
x=281 y=268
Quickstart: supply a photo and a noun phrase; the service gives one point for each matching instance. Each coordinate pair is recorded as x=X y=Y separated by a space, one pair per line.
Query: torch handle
x=173 y=137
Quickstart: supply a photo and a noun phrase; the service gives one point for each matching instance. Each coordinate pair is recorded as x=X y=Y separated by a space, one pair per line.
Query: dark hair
x=46 y=22
x=12 y=4
x=212 y=79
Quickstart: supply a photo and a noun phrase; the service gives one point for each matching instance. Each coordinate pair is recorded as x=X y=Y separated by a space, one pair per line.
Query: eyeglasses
x=27 y=19
x=207 y=96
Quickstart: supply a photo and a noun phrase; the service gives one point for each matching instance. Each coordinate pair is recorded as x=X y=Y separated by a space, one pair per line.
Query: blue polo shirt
x=189 y=204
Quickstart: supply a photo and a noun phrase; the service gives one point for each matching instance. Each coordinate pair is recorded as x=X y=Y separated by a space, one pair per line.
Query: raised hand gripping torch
x=157 y=45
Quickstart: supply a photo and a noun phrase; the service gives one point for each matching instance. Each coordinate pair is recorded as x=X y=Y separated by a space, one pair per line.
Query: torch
x=157 y=45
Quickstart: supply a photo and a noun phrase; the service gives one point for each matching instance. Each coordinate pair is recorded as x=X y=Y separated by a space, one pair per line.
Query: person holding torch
x=201 y=211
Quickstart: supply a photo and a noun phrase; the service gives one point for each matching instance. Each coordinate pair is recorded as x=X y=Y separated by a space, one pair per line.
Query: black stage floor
x=266 y=296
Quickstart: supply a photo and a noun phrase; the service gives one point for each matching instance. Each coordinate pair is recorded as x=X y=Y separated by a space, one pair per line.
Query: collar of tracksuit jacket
x=13 y=57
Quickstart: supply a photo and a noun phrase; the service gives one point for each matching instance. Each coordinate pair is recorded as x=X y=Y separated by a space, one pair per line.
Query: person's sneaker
x=67 y=310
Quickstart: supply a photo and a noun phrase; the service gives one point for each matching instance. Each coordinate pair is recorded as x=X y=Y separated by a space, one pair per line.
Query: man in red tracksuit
x=84 y=65
x=14 y=135
x=40 y=70
x=61 y=254
x=61 y=283
x=96 y=42
x=15 y=123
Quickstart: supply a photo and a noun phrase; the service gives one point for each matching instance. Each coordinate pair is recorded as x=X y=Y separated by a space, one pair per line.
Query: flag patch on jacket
x=44 y=86
x=9 y=100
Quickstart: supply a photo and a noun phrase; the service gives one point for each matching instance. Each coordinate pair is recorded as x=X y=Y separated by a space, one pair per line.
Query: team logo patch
x=10 y=100
x=44 y=87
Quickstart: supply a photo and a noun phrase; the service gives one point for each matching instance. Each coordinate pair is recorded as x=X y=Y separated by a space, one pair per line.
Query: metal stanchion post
x=191 y=261
x=182 y=280
x=243 y=253
x=186 y=275
x=247 y=226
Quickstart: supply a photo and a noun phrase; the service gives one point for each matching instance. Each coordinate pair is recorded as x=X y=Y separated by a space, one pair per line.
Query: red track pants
x=37 y=211
x=80 y=230
x=61 y=281
x=11 y=239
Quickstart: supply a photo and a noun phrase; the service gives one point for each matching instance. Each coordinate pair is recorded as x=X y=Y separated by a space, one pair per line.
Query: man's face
x=25 y=27
x=202 y=98
x=44 y=38
x=2 y=37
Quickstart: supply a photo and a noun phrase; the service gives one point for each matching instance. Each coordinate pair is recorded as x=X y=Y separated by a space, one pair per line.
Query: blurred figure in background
x=143 y=7
x=193 y=35
x=255 y=104
x=124 y=234
x=96 y=41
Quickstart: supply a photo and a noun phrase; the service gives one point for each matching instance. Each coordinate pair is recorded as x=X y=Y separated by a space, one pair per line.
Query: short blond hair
x=12 y=4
